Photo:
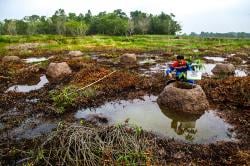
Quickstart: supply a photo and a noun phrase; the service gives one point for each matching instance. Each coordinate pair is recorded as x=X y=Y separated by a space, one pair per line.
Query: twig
x=96 y=81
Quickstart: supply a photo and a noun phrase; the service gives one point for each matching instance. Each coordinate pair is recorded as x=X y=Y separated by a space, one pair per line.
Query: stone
x=11 y=59
x=235 y=59
x=58 y=70
x=128 y=59
x=75 y=53
x=183 y=99
x=224 y=69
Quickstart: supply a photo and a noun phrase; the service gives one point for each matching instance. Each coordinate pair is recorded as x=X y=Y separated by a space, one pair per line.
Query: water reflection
x=205 y=128
x=183 y=123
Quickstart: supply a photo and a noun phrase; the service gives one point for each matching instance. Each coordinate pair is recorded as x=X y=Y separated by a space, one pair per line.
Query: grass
x=144 y=43
x=91 y=145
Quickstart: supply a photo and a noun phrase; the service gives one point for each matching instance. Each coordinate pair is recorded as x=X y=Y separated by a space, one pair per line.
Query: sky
x=193 y=15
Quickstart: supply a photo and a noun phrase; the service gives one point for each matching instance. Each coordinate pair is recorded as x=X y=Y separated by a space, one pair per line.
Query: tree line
x=226 y=35
x=113 y=23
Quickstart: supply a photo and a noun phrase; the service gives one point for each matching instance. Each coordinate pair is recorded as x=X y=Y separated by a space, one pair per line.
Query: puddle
x=28 y=88
x=147 y=61
x=32 y=128
x=207 y=70
x=240 y=73
x=216 y=59
x=35 y=59
x=206 y=128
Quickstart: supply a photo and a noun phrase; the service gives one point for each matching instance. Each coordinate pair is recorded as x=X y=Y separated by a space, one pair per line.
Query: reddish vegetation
x=233 y=91
x=123 y=83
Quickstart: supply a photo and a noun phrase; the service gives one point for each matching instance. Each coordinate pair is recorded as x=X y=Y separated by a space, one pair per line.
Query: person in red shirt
x=180 y=66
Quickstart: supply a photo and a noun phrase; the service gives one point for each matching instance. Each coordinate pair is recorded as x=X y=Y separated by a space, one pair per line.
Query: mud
x=33 y=113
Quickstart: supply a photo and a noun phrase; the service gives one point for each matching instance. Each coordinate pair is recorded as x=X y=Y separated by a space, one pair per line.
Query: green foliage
x=75 y=28
x=196 y=62
x=113 y=23
x=88 y=93
x=138 y=130
x=131 y=158
x=64 y=98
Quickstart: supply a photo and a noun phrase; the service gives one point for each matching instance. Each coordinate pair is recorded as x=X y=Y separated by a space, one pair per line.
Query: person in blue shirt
x=180 y=66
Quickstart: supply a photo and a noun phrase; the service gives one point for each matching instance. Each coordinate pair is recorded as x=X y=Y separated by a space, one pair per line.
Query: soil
x=230 y=95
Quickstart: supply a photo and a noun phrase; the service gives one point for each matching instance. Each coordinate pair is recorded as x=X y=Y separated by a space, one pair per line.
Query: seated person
x=180 y=66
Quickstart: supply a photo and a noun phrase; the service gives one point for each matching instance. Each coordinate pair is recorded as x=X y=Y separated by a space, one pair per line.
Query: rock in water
x=224 y=69
x=128 y=59
x=182 y=99
x=58 y=70
x=11 y=59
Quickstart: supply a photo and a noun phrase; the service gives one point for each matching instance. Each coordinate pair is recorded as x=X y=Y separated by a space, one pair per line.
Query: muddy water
x=28 y=88
x=216 y=59
x=207 y=70
x=35 y=59
x=32 y=128
x=206 y=128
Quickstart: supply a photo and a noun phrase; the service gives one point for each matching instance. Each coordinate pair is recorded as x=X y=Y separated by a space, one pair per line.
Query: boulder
x=224 y=69
x=75 y=53
x=235 y=59
x=128 y=59
x=11 y=59
x=183 y=99
x=58 y=70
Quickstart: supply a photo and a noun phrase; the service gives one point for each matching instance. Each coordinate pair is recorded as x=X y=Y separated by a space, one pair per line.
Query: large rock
x=183 y=99
x=128 y=59
x=58 y=70
x=234 y=59
x=11 y=59
x=224 y=69
x=75 y=53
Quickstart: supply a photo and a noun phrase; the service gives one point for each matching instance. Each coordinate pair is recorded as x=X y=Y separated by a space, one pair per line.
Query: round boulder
x=75 y=53
x=224 y=69
x=128 y=59
x=58 y=70
x=187 y=98
x=11 y=59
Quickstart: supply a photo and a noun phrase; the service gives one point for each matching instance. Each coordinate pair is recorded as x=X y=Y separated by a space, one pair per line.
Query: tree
x=164 y=24
x=131 y=27
x=10 y=27
x=88 y=17
x=75 y=28
x=59 y=19
x=1 y=28
x=109 y=23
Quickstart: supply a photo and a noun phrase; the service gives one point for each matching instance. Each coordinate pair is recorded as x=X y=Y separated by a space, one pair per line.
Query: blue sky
x=193 y=15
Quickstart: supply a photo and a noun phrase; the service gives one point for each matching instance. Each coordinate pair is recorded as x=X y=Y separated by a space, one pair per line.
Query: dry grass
x=82 y=145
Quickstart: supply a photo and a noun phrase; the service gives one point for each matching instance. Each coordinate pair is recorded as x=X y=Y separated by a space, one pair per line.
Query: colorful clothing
x=181 y=67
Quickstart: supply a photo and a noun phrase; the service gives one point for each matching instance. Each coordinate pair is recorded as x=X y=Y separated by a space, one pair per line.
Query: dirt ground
x=229 y=95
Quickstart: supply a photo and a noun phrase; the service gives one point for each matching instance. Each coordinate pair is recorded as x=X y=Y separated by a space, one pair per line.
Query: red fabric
x=177 y=64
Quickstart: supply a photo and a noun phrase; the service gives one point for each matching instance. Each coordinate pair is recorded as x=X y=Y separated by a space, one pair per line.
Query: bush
x=63 y=99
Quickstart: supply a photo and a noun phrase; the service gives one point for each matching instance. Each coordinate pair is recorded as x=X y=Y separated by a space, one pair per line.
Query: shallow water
x=35 y=59
x=207 y=70
x=29 y=88
x=240 y=73
x=32 y=128
x=206 y=128
x=216 y=59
